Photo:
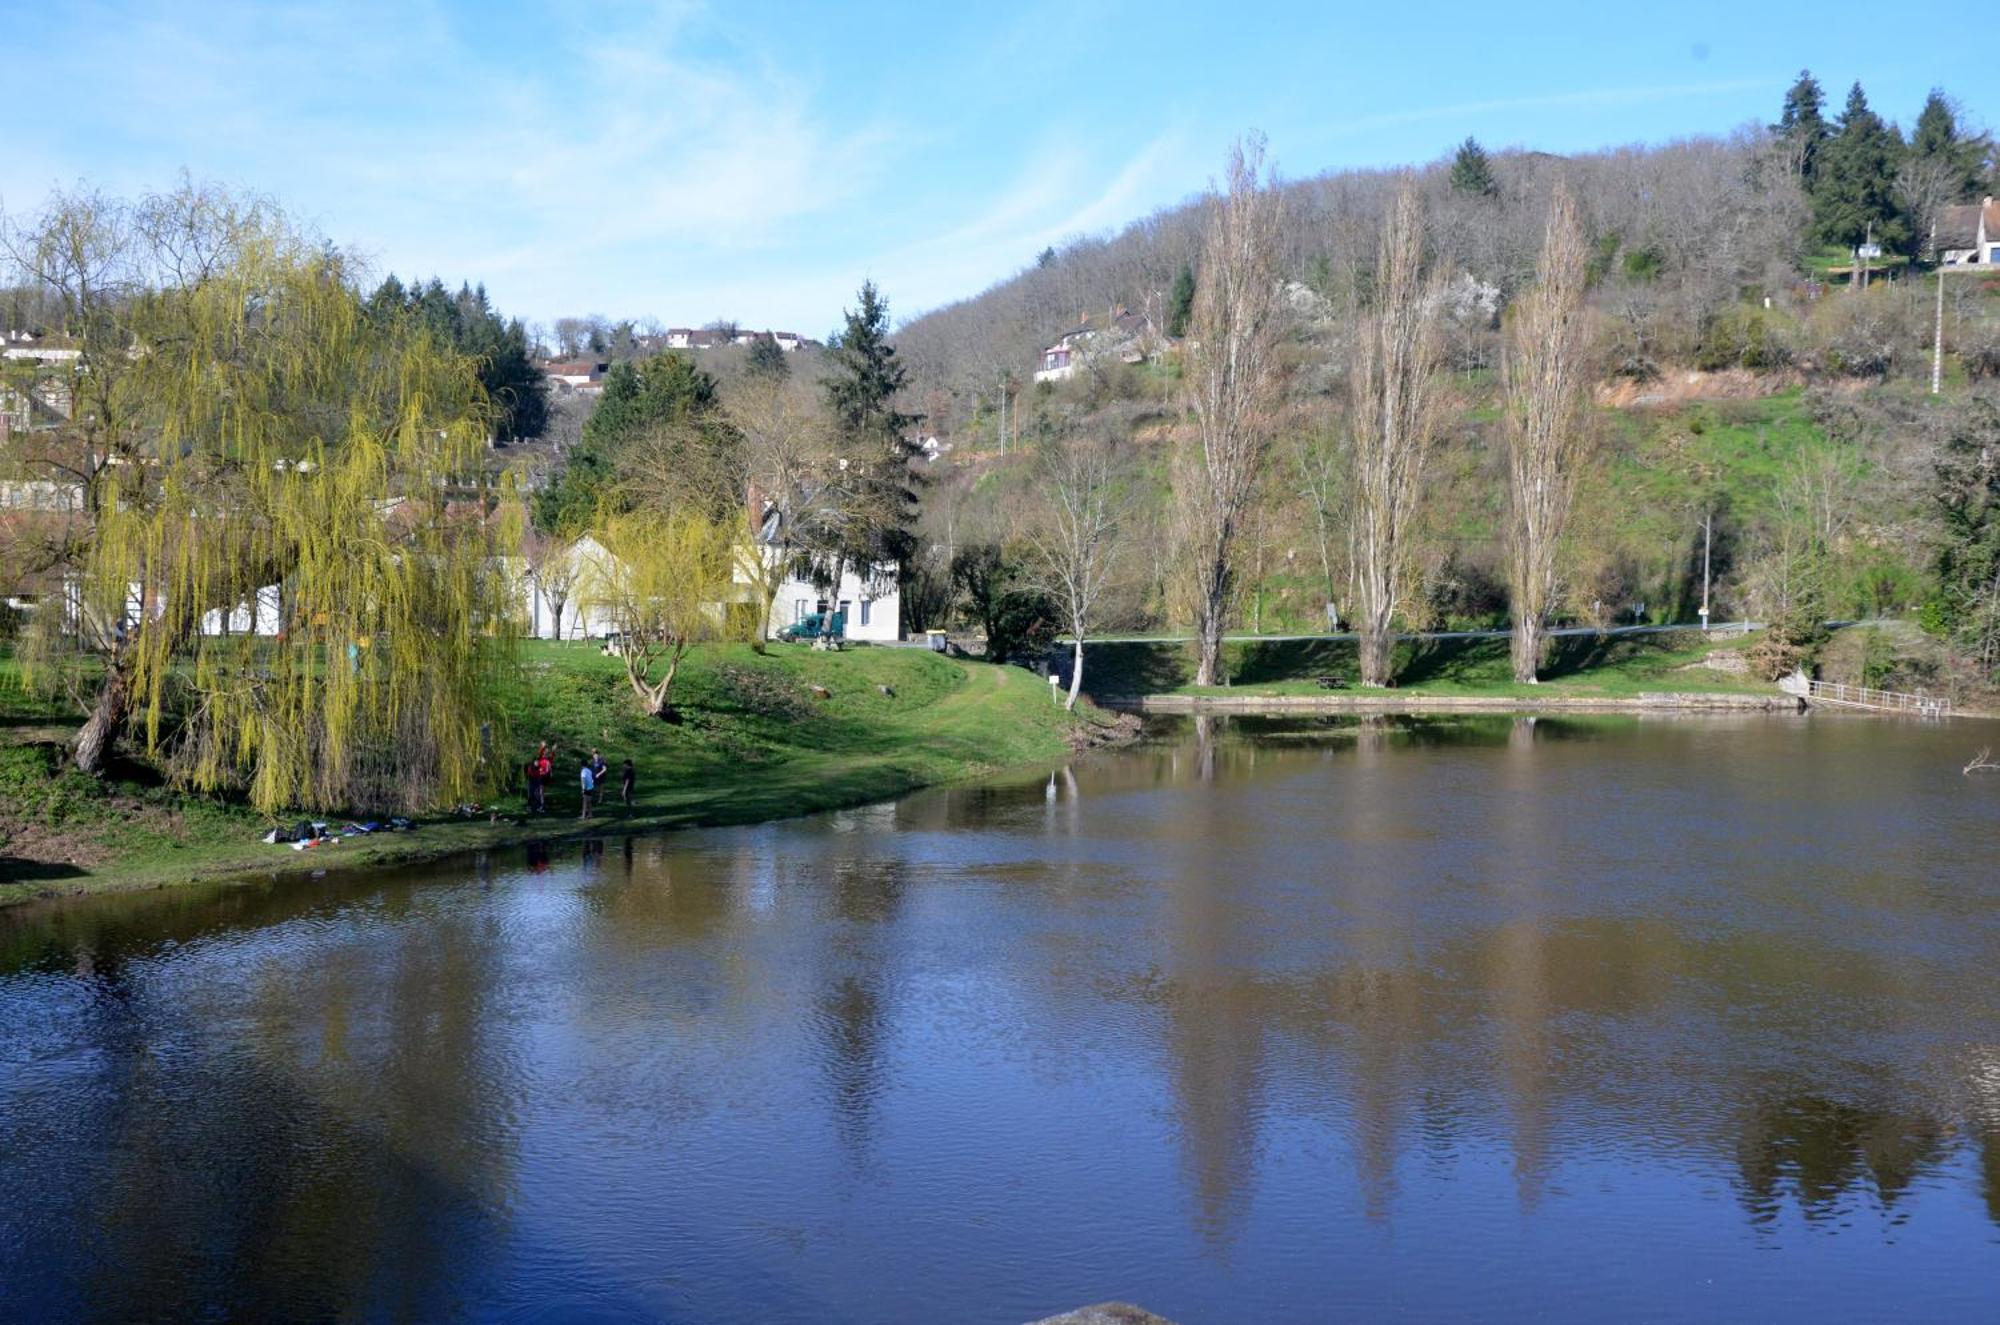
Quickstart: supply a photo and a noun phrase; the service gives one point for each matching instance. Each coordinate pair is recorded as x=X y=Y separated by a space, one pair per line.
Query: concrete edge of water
x=1661 y=702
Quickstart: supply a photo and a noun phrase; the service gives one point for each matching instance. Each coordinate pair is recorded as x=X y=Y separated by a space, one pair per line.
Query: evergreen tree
x=1802 y=125
x=1472 y=171
x=640 y=399
x=468 y=324
x=1046 y=258
x=1180 y=304
x=766 y=360
x=876 y=451
x=1939 y=139
x=1855 y=188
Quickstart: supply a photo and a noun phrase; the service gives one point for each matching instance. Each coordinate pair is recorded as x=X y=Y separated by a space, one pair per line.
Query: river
x=1261 y=1020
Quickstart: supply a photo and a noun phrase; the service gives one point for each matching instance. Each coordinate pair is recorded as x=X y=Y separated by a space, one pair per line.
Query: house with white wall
x=1969 y=235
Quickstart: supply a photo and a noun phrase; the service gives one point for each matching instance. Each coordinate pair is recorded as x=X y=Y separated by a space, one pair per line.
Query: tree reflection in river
x=1415 y=1012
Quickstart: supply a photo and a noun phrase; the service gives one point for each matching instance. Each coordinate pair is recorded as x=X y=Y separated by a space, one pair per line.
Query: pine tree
x=766 y=360
x=1802 y=125
x=1180 y=304
x=1472 y=171
x=1939 y=139
x=1855 y=189
x=875 y=525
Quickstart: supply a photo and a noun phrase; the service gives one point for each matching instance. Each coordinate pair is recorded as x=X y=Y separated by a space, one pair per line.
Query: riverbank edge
x=1721 y=701
x=470 y=837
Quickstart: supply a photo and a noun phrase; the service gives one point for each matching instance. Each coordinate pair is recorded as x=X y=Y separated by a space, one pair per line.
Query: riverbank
x=1401 y=702
x=1611 y=670
x=756 y=740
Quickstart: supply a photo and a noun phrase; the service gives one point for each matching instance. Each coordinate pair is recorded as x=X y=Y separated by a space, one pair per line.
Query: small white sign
x=1868 y=251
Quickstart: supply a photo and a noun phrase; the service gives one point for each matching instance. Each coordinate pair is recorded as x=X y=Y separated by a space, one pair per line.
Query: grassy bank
x=1592 y=666
x=754 y=742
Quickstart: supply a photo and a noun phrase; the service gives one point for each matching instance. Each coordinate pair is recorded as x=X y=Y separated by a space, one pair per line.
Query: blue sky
x=758 y=160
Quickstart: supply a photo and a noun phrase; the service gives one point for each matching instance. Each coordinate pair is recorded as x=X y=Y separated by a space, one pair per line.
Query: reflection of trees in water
x=1820 y=1152
x=316 y=1134
x=853 y=1011
x=1213 y=1025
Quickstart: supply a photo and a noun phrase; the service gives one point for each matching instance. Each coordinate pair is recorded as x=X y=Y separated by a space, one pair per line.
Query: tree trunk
x=1376 y=643
x=106 y=721
x=556 y=610
x=1210 y=611
x=1530 y=636
x=1075 y=673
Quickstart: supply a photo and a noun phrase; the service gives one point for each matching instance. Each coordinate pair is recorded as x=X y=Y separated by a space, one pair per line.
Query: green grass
x=753 y=743
x=1580 y=666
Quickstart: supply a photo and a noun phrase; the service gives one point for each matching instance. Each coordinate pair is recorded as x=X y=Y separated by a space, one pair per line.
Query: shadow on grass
x=19 y=869
x=1136 y=668
x=1267 y=661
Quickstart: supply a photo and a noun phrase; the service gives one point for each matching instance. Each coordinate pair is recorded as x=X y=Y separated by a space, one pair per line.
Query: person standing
x=589 y=781
x=545 y=768
x=600 y=772
x=625 y=784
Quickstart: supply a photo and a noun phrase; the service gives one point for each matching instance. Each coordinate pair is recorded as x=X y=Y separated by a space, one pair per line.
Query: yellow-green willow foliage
x=662 y=580
x=294 y=442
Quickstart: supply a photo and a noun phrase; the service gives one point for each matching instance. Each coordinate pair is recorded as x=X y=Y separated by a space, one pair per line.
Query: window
x=866 y=603
x=800 y=609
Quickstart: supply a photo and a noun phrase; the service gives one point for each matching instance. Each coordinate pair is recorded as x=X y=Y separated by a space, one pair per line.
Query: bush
x=1790 y=645
x=1741 y=337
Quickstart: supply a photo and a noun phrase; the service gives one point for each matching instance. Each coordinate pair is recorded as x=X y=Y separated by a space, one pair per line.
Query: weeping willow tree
x=284 y=462
x=661 y=580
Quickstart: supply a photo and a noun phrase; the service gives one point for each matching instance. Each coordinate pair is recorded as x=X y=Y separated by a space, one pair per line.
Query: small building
x=1968 y=235
x=1121 y=337
x=871 y=598
x=581 y=375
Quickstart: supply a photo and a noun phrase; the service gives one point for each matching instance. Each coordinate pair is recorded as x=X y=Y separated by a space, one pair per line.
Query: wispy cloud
x=1585 y=99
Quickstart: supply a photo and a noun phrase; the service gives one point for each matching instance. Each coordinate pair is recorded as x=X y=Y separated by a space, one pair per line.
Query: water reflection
x=1414 y=1013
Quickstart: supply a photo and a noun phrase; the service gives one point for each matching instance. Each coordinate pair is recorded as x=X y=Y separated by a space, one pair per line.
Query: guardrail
x=1866 y=697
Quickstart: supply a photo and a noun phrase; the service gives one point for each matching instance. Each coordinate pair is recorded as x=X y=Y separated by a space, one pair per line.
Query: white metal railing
x=1895 y=701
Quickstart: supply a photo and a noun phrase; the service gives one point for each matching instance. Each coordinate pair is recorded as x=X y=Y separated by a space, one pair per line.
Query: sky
x=687 y=162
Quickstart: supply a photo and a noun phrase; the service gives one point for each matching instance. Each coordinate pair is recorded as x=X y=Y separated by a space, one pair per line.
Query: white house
x=871 y=598
x=1969 y=235
x=1125 y=337
x=538 y=605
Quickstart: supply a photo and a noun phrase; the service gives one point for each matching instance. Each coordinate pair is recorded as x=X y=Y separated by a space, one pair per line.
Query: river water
x=1480 y=1019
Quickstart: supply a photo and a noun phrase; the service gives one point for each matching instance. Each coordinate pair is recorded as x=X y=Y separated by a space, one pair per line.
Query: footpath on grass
x=1646 y=669
x=758 y=737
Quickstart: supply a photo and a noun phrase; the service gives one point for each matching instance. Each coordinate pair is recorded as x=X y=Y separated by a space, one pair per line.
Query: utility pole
x=1707 y=545
x=1937 y=338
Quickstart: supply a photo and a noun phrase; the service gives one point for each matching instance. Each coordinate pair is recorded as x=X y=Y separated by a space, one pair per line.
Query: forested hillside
x=1688 y=240
x=1745 y=421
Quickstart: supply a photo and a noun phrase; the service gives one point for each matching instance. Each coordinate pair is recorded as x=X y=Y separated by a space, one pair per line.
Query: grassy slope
x=753 y=744
x=1614 y=667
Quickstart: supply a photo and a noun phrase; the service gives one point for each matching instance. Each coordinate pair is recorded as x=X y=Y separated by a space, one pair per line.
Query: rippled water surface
x=1299 y=1021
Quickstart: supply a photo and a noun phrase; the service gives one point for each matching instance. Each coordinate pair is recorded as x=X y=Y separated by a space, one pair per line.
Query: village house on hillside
x=1121 y=337
x=1969 y=234
x=584 y=376
x=712 y=338
x=871 y=597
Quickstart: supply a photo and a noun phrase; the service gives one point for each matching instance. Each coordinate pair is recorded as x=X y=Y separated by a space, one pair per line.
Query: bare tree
x=1072 y=539
x=1545 y=372
x=1397 y=388
x=1234 y=382
x=792 y=477
x=1317 y=471
x=553 y=569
